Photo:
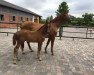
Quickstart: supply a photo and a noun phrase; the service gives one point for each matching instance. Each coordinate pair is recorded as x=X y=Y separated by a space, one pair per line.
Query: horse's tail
x=14 y=39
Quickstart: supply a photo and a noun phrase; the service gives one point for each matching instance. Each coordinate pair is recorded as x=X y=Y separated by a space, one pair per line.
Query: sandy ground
x=72 y=57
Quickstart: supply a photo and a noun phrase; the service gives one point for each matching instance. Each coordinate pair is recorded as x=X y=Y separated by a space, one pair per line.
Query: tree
x=79 y=21
x=87 y=18
x=49 y=18
x=42 y=21
x=62 y=9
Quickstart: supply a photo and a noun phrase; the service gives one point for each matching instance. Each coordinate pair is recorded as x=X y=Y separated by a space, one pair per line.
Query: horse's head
x=65 y=17
x=61 y=18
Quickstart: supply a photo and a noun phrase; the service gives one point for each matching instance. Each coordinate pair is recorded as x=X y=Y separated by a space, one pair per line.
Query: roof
x=4 y=3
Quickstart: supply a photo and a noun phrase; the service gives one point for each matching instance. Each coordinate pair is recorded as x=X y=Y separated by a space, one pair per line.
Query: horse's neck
x=42 y=30
x=56 y=24
x=57 y=21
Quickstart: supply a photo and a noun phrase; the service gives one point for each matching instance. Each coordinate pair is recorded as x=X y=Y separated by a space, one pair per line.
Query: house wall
x=9 y=13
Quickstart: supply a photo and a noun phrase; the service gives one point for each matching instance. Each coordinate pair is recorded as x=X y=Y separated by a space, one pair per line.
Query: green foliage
x=43 y=21
x=87 y=18
x=79 y=21
x=72 y=18
x=73 y=23
x=92 y=24
x=63 y=8
x=49 y=18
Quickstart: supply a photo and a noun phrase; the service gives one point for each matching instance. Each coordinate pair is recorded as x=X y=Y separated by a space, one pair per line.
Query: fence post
x=7 y=33
x=86 y=32
x=60 y=31
x=17 y=27
x=90 y=32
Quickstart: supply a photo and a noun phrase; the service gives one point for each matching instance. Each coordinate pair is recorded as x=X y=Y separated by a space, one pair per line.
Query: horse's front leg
x=52 y=44
x=39 y=49
x=16 y=54
x=47 y=44
x=29 y=47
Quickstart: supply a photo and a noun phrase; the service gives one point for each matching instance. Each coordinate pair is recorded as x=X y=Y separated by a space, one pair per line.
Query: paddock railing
x=77 y=32
x=9 y=30
x=67 y=32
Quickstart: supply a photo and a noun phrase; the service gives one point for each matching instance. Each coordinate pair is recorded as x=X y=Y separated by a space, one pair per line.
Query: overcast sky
x=48 y=7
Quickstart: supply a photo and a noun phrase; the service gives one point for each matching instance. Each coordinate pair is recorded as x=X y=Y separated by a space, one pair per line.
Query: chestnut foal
x=21 y=36
x=32 y=26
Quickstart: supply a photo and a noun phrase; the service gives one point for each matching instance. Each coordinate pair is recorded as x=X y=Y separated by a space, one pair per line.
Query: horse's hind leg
x=29 y=47
x=39 y=49
x=16 y=54
x=22 y=48
x=47 y=44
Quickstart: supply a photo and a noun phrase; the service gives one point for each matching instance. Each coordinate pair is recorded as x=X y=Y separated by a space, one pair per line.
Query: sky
x=47 y=8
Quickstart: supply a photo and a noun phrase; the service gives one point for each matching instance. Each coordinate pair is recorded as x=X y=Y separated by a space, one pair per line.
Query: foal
x=32 y=26
x=30 y=36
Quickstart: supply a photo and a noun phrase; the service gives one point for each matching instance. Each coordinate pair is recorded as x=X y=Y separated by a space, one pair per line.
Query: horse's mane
x=42 y=27
x=57 y=18
x=45 y=25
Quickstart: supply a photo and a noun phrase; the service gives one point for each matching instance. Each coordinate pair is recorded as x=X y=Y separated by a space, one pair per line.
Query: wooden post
x=7 y=34
x=90 y=32
x=86 y=32
x=60 y=31
x=17 y=27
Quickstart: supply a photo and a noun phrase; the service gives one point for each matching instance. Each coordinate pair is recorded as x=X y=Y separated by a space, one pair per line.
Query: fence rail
x=77 y=32
x=17 y=26
x=7 y=33
x=10 y=22
x=86 y=32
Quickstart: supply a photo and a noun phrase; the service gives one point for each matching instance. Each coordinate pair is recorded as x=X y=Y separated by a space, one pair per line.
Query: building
x=10 y=13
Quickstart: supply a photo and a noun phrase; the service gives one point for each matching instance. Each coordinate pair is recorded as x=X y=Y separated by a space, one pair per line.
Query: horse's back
x=29 y=25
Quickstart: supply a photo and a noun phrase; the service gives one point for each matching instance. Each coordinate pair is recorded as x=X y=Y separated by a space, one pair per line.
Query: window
x=12 y=18
x=21 y=18
x=27 y=19
x=1 y=17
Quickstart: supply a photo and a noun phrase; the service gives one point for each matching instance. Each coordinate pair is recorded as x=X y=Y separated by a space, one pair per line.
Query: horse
x=53 y=29
x=54 y=25
x=23 y=35
x=32 y=26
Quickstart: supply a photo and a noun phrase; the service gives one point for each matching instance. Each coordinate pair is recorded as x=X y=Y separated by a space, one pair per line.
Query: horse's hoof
x=45 y=52
x=32 y=51
x=23 y=53
x=52 y=54
x=15 y=63
x=19 y=59
x=40 y=59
